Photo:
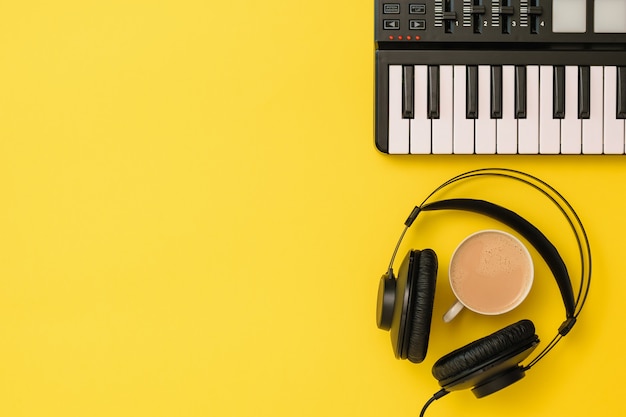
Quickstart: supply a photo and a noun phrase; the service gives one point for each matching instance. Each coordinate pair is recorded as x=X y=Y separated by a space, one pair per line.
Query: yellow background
x=195 y=219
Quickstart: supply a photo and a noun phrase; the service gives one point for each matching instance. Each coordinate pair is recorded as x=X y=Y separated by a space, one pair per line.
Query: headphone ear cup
x=421 y=309
x=477 y=362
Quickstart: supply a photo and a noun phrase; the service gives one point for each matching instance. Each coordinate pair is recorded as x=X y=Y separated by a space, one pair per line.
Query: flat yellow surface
x=195 y=219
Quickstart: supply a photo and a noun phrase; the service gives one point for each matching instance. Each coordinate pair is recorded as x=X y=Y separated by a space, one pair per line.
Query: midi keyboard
x=500 y=76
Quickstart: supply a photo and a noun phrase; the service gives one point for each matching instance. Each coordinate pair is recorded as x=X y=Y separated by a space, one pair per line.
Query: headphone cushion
x=482 y=350
x=421 y=310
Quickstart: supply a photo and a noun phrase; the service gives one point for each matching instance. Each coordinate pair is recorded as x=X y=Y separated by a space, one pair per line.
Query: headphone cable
x=441 y=393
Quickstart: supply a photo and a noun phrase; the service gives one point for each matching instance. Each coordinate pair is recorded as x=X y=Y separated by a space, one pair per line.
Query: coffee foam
x=490 y=272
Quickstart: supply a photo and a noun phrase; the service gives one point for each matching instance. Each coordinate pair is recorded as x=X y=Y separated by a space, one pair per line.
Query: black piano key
x=496 y=92
x=558 y=97
x=433 y=92
x=407 y=92
x=584 y=92
x=471 y=94
x=621 y=92
x=520 y=92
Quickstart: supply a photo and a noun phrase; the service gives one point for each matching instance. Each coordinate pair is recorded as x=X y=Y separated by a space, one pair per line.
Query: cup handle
x=452 y=312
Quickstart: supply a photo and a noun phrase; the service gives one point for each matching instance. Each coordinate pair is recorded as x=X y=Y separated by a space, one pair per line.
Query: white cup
x=491 y=272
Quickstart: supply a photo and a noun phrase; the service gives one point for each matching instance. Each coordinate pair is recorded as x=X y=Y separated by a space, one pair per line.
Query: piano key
x=407 y=91
x=621 y=92
x=485 y=126
x=528 y=127
x=420 y=125
x=593 y=126
x=571 y=125
x=433 y=91
x=583 y=92
x=472 y=92
x=559 y=92
x=463 y=127
x=506 y=126
x=613 y=127
x=398 y=126
x=520 y=92
x=496 y=92
x=549 y=127
x=442 y=128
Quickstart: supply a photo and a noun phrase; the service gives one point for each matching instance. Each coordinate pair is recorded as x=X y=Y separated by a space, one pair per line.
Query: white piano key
x=442 y=128
x=485 y=125
x=571 y=125
x=549 y=128
x=528 y=128
x=398 y=127
x=421 y=124
x=592 y=127
x=506 y=127
x=613 y=127
x=463 y=127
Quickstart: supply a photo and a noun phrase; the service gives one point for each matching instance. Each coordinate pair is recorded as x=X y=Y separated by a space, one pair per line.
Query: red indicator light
x=408 y=38
x=400 y=37
x=417 y=38
x=390 y=37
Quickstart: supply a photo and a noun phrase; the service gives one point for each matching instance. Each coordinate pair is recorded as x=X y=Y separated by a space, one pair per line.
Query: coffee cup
x=491 y=272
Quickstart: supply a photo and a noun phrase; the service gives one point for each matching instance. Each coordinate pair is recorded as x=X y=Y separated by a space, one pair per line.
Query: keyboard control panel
x=534 y=21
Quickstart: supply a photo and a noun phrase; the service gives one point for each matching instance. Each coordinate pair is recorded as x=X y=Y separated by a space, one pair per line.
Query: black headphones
x=487 y=365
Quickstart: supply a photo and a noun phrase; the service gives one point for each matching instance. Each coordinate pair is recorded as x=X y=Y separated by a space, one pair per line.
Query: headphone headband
x=536 y=238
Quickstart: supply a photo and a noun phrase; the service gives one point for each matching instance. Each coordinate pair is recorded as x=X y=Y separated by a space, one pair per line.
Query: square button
x=391 y=24
x=391 y=8
x=417 y=24
x=417 y=8
x=609 y=16
x=569 y=16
